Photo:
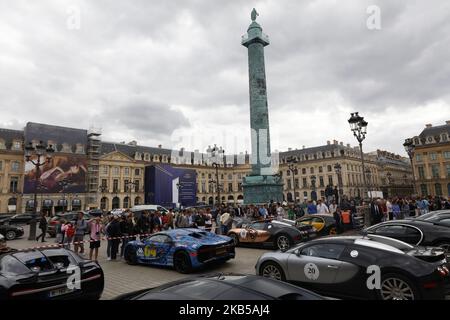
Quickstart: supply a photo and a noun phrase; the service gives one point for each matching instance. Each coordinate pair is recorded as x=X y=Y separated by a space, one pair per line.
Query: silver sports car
x=348 y=267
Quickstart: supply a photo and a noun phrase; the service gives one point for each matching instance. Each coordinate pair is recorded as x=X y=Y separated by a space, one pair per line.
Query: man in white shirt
x=322 y=208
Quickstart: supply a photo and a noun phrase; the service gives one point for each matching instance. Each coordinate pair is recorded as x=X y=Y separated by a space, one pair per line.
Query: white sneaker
x=109 y=259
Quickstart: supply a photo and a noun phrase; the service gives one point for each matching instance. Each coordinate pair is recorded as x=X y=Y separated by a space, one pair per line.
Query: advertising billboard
x=169 y=186
x=67 y=172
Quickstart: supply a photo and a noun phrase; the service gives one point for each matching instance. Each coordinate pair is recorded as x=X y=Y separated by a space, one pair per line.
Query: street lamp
x=369 y=176
x=293 y=168
x=39 y=150
x=338 y=169
x=410 y=147
x=216 y=166
x=130 y=185
x=359 y=128
x=313 y=187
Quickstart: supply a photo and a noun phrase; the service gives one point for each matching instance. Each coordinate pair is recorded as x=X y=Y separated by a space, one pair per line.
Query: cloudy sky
x=174 y=72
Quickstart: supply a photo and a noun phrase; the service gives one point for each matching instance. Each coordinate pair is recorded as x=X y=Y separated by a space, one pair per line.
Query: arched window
x=137 y=201
x=438 y=189
x=210 y=200
x=116 y=203
x=126 y=202
x=289 y=197
x=104 y=203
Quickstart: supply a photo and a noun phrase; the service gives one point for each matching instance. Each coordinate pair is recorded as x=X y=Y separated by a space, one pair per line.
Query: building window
x=115 y=185
x=105 y=170
x=15 y=166
x=329 y=168
x=320 y=169
x=296 y=183
x=447 y=155
x=137 y=172
x=433 y=156
x=17 y=145
x=424 y=190
x=239 y=186
x=2 y=144
x=305 y=183
x=289 y=184
x=311 y=170
x=126 y=184
x=203 y=175
x=303 y=171
x=421 y=172
x=418 y=157
x=209 y=175
x=230 y=187
x=330 y=180
x=288 y=173
x=116 y=171
x=321 y=181
x=435 y=171
x=126 y=171
x=448 y=171
x=1 y=165
x=14 y=184
x=230 y=177
x=203 y=186
x=438 y=189
x=137 y=185
x=104 y=184
x=239 y=176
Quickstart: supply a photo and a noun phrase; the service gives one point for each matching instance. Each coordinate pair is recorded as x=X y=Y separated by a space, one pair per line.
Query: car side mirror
x=298 y=253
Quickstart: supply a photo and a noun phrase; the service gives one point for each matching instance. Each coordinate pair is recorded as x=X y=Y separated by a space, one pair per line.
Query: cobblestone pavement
x=122 y=278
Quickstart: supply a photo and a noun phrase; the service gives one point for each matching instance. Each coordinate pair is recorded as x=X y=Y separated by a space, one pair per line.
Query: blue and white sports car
x=184 y=249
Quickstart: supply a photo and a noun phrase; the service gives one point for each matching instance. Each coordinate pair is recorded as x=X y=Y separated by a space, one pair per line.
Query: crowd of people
x=119 y=227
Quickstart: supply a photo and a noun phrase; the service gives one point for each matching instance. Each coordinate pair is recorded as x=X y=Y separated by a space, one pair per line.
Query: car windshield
x=35 y=261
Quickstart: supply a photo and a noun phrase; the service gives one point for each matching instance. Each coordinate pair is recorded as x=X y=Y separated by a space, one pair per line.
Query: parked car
x=4 y=217
x=43 y=275
x=428 y=230
x=325 y=224
x=67 y=216
x=224 y=287
x=268 y=233
x=24 y=218
x=11 y=232
x=184 y=249
x=139 y=209
x=341 y=267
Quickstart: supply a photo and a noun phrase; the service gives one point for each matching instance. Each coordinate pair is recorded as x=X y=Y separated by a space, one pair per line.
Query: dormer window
x=2 y=144
x=17 y=145
x=66 y=148
x=79 y=148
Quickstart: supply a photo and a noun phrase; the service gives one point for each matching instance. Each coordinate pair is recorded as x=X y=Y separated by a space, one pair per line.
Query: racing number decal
x=311 y=271
x=149 y=252
x=243 y=234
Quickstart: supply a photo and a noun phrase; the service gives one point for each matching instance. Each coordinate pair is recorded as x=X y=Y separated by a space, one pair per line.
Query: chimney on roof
x=160 y=146
x=342 y=144
x=348 y=145
x=289 y=149
x=429 y=125
x=303 y=147
x=132 y=143
x=328 y=142
x=447 y=122
x=335 y=142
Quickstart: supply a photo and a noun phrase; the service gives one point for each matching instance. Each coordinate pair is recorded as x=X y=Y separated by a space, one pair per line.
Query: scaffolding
x=93 y=155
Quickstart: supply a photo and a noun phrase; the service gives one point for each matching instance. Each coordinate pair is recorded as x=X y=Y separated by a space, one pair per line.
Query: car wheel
x=272 y=270
x=130 y=256
x=10 y=235
x=446 y=247
x=397 y=287
x=182 y=262
x=235 y=239
x=332 y=231
x=283 y=242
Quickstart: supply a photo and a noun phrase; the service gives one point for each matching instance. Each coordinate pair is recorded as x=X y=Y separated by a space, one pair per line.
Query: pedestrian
x=69 y=231
x=280 y=212
x=108 y=238
x=333 y=207
x=396 y=211
x=59 y=233
x=114 y=234
x=312 y=208
x=80 y=230
x=43 y=226
x=224 y=221
x=95 y=237
x=126 y=229
x=322 y=207
x=219 y=223
x=208 y=221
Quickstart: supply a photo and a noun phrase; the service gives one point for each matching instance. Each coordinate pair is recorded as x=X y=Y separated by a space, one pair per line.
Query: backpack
x=70 y=231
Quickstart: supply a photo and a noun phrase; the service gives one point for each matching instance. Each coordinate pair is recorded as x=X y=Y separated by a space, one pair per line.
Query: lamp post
x=39 y=150
x=338 y=170
x=359 y=128
x=368 y=174
x=389 y=181
x=293 y=169
x=216 y=166
x=410 y=147
x=130 y=184
x=313 y=187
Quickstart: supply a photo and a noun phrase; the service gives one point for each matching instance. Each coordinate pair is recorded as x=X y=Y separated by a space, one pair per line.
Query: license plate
x=59 y=292
x=221 y=251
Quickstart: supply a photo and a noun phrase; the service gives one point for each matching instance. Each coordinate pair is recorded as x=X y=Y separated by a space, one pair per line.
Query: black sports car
x=224 y=287
x=44 y=274
x=325 y=224
x=361 y=267
x=11 y=232
x=427 y=230
x=268 y=233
